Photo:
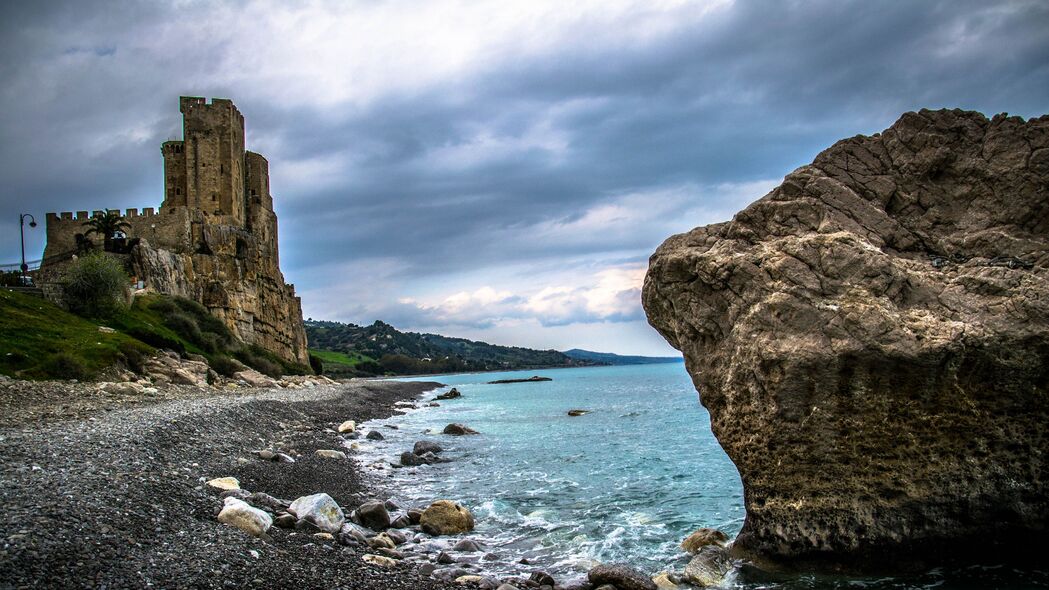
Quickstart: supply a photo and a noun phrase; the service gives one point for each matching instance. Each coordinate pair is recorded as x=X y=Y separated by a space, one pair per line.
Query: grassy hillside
x=39 y=340
x=382 y=349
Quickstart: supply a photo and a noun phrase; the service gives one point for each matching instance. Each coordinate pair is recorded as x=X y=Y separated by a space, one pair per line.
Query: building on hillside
x=214 y=237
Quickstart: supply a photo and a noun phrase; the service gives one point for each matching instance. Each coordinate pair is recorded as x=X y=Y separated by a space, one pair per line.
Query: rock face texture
x=871 y=339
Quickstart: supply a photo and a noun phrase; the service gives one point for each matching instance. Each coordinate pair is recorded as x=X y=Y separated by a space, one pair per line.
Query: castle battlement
x=216 y=225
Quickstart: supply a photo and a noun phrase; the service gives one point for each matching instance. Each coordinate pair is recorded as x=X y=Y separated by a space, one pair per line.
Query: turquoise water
x=626 y=482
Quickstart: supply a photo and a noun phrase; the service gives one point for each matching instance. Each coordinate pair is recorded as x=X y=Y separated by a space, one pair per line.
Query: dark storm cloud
x=483 y=168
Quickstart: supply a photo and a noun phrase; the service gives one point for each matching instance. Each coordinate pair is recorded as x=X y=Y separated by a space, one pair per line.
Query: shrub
x=96 y=286
x=157 y=340
x=132 y=356
x=225 y=366
x=259 y=362
x=183 y=325
x=163 y=305
x=316 y=364
x=63 y=365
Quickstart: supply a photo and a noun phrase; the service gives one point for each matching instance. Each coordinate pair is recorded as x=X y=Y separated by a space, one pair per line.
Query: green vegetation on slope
x=382 y=349
x=39 y=340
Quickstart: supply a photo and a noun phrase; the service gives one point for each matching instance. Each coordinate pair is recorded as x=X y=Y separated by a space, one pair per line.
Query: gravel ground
x=100 y=497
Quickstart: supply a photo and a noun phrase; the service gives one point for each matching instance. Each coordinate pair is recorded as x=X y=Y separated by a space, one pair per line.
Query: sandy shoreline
x=96 y=494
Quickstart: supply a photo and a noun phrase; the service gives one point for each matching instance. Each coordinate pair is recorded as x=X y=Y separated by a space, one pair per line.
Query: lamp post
x=21 y=231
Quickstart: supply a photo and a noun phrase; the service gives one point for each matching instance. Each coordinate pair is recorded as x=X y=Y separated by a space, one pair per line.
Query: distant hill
x=608 y=358
x=380 y=349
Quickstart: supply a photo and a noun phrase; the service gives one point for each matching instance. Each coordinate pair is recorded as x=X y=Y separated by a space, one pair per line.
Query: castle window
x=214 y=196
x=178 y=191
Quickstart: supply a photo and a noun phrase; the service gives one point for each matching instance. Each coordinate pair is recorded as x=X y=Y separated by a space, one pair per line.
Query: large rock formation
x=871 y=339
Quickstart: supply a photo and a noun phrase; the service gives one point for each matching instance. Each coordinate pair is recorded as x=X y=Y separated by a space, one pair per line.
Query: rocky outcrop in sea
x=871 y=339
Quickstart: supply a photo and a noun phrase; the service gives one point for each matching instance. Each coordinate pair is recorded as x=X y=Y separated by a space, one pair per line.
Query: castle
x=214 y=238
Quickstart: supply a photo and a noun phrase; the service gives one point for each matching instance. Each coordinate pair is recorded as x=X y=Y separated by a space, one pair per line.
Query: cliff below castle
x=871 y=339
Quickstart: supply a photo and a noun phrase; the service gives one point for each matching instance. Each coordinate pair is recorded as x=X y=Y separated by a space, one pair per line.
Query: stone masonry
x=214 y=238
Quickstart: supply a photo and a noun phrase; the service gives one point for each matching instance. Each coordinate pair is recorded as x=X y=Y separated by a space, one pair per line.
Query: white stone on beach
x=321 y=510
x=224 y=483
x=330 y=454
x=244 y=516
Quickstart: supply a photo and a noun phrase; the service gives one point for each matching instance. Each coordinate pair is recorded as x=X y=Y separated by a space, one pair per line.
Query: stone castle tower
x=214 y=238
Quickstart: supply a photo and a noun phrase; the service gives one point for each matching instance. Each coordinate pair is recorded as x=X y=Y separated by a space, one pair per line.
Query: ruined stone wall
x=169 y=229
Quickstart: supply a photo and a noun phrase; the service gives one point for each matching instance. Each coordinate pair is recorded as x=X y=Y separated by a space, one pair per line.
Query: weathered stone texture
x=871 y=339
x=214 y=238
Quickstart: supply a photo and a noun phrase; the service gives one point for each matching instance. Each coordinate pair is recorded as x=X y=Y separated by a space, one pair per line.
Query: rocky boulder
x=374 y=515
x=255 y=378
x=445 y=517
x=623 y=577
x=319 y=510
x=238 y=513
x=702 y=538
x=871 y=340
x=457 y=429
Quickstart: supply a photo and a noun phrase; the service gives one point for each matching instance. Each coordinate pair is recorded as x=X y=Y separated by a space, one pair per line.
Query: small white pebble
x=254 y=553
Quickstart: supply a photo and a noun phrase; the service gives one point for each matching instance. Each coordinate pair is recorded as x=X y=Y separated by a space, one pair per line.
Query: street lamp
x=21 y=231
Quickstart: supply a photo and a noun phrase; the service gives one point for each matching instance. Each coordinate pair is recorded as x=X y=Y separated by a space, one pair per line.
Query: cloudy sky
x=495 y=170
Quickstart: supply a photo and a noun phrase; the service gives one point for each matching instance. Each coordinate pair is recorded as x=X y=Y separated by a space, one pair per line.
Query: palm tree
x=107 y=224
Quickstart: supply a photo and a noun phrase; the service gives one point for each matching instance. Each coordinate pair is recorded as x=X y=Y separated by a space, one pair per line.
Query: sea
x=625 y=482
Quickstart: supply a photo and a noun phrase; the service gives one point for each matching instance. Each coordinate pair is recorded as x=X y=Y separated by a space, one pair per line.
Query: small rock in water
x=319 y=509
x=703 y=537
x=347 y=426
x=224 y=483
x=467 y=545
x=415 y=515
x=240 y=514
x=459 y=430
x=445 y=517
x=410 y=459
x=578 y=412
x=375 y=435
x=444 y=558
x=622 y=577
x=452 y=394
x=374 y=516
x=422 y=447
x=401 y=521
x=709 y=567
x=329 y=454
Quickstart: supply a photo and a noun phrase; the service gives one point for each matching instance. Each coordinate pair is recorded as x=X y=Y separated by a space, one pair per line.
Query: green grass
x=39 y=340
x=340 y=358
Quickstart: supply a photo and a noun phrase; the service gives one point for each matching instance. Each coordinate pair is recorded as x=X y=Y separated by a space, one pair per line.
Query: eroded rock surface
x=871 y=339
